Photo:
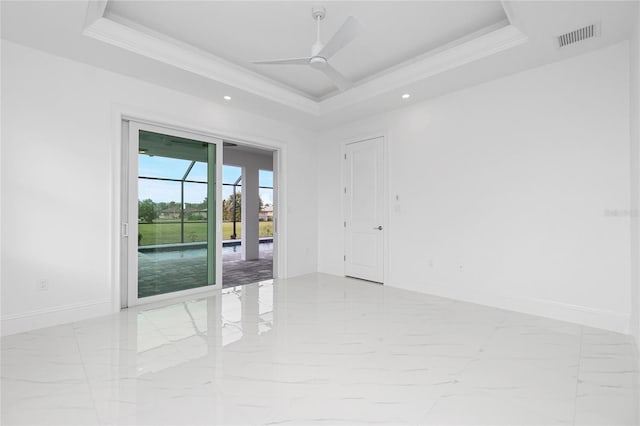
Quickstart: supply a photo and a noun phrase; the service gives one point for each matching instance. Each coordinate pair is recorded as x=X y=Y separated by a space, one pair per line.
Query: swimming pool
x=182 y=252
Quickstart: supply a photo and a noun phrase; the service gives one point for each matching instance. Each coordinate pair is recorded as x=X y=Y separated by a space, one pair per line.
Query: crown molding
x=95 y=10
x=192 y=59
x=130 y=36
x=487 y=42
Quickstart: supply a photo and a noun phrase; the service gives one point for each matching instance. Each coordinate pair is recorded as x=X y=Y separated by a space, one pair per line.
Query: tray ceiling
x=425 y=48
x=240 y=32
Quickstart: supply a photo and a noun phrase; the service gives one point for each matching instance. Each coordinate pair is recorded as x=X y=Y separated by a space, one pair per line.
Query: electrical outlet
x=42 y=285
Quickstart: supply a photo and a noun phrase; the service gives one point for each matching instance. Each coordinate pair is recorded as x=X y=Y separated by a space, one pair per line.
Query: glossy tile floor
x=318 y=350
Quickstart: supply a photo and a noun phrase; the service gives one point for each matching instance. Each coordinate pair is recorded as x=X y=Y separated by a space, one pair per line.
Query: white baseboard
x=47 y=317
x=598 y=318
x=583 y=315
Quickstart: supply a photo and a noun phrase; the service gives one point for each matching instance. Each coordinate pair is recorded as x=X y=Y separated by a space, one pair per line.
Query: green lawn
x=169 y=232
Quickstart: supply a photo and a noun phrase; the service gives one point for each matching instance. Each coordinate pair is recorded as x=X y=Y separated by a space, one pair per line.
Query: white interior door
x=364 y=210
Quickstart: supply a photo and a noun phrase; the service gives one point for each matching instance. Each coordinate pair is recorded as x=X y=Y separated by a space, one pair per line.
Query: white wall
x=58 y=155
x=516 y=180
x=634 y=105
x=509 y=192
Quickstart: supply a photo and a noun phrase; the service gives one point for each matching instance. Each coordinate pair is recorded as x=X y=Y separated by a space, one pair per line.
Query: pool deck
x=236 y=271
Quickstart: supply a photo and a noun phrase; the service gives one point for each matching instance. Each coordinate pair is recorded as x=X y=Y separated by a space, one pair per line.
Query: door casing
x=122 y=117
x=385 y=191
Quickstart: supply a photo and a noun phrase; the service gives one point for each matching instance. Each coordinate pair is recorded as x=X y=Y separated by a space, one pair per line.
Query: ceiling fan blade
x=345 y=35
x=294 y=61
x=338 y=79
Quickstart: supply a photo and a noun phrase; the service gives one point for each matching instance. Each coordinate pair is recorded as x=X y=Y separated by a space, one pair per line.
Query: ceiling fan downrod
x=318 y=14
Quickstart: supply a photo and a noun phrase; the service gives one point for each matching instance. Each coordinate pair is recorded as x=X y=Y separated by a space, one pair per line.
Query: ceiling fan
x=321 y=53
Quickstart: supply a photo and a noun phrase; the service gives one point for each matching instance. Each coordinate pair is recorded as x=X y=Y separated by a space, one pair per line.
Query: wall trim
x=486 y=42
x=147 y=43
x=583 y=315
x=55 y=315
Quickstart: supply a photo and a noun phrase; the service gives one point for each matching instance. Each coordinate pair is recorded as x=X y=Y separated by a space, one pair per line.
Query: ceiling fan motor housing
x=317 y=62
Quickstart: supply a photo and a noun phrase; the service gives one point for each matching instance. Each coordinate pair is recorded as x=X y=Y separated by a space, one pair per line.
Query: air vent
x=590 y=31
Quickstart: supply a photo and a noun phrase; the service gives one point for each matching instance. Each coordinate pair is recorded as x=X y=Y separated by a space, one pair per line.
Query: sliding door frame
x=131 y=229
x=122 y=118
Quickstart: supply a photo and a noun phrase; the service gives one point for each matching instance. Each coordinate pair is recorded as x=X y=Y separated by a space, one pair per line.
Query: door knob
x=379 y=227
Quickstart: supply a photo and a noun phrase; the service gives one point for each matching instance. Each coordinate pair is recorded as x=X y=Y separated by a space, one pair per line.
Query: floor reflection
x=202 y=325
x=319 y=349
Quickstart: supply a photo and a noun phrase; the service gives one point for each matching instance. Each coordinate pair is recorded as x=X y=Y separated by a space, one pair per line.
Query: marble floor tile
x=607 y=380
x=318 y=349
x=503 y=410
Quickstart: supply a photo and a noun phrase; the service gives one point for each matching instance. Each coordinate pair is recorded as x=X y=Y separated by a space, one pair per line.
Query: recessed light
x=142 y=151
x=227 y=98
x=406 y=96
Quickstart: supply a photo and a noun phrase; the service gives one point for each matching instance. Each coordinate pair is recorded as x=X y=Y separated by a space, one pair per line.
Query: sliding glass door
x=174 y=246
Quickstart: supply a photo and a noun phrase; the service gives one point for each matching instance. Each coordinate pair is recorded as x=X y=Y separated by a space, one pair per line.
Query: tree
x=227 y=207
x=147 y=210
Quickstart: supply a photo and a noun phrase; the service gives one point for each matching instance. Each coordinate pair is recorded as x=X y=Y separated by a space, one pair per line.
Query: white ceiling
x=206 y=49
x=241 y=32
